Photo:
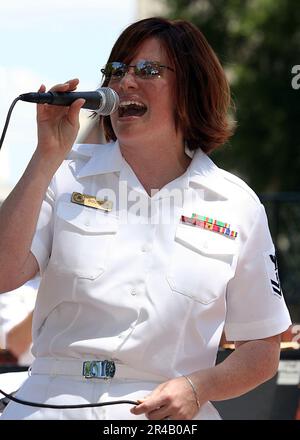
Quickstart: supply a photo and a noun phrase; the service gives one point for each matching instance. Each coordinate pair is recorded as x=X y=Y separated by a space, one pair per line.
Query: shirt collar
x=106 y=158
x=203 y=172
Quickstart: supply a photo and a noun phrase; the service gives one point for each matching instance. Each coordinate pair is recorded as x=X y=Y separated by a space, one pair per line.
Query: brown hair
x=202 y=95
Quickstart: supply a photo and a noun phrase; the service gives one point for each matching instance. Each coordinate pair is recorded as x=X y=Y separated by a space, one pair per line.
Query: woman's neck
x=154 y=165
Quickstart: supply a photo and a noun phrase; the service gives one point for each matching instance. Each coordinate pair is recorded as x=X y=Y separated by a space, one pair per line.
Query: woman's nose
x=129 y=79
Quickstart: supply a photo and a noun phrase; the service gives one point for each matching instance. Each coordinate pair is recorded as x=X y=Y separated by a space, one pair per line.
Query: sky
x=50 y=41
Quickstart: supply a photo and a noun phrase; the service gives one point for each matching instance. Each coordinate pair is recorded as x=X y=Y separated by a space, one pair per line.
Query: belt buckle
x=99 y=369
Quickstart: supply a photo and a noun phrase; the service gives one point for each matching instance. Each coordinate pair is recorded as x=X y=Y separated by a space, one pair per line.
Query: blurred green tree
x=258 y=43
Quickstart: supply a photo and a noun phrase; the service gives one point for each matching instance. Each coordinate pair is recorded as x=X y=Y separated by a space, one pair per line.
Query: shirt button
x=133 y=292
x=87 y=223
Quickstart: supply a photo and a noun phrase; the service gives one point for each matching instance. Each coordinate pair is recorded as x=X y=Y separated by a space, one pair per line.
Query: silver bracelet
x=194 y=390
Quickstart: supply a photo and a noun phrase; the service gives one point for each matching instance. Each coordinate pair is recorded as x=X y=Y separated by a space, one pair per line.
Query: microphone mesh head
x=110 y=101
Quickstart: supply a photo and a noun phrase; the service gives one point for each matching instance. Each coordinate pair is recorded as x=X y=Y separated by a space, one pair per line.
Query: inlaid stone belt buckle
x=99 y=369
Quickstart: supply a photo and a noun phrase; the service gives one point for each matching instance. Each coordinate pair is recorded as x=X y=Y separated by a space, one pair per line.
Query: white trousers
x=52 y=385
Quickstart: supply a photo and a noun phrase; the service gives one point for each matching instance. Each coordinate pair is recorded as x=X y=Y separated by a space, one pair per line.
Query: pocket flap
x=205 y=241
x=87 y=219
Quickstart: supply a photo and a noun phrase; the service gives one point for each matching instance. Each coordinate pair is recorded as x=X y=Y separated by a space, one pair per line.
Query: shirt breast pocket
x=82 y=240
x=201 y=264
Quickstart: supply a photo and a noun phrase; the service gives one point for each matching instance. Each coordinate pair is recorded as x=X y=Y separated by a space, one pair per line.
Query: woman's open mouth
x=131 y=108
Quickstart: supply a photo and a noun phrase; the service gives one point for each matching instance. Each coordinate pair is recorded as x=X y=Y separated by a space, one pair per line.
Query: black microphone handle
x=93 y=99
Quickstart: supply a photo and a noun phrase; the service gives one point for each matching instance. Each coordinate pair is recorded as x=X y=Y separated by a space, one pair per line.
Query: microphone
x=104 y=100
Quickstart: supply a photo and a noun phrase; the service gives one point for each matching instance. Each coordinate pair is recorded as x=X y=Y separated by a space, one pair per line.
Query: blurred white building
x=146 y=8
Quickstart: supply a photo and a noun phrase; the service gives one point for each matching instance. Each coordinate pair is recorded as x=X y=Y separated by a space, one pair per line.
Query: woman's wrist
x=47 y=164
x=189 y=380
x=203 y=383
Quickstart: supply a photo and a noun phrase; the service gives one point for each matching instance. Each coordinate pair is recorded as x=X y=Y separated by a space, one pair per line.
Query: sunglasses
x=143 y=69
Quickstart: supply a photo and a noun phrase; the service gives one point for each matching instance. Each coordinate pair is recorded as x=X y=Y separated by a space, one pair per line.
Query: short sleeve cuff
x=257 y=329
x=41 y=253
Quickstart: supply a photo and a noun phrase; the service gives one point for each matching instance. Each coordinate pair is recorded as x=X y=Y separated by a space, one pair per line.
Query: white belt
x=91 y=369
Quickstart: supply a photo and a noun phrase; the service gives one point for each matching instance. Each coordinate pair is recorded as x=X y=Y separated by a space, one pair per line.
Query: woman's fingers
x=65 y=87
x=44 y=111
x=42 y=88
x=58 y=125
x=74 y=111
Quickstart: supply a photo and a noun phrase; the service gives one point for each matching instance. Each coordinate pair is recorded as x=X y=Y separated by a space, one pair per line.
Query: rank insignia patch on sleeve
x=272 y=266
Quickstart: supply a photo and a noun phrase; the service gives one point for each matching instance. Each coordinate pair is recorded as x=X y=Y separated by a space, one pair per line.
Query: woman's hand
x=250 y=364
x=172 y=400
x=58 y=125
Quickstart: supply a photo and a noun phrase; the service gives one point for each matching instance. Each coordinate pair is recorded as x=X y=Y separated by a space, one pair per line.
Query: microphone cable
x=7 y=120
x=46 y=405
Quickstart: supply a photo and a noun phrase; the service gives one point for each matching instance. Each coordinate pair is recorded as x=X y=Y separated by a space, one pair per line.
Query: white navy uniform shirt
x=138 y=285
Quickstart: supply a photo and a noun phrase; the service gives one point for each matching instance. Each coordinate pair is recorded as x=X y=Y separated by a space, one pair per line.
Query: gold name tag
x=91 y=201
